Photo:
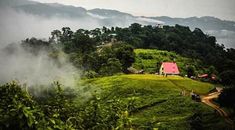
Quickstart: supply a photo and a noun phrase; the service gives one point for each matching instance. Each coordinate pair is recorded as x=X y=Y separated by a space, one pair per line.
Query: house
x=169 y=68
x=159 y=26
x=203 y=76
x=132 y=70
x=208 y=77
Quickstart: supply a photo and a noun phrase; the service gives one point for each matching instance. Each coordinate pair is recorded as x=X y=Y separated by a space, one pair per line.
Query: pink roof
x=170 y=68
x=203 y=76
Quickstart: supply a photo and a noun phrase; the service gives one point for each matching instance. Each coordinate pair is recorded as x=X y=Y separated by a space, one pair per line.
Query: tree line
x=107 y=51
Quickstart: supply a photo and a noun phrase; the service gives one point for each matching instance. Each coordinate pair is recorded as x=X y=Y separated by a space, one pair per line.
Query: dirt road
x=208 y=101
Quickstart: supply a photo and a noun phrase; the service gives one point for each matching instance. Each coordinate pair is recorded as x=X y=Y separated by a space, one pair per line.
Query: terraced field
x=150 y=60
x=157 y=102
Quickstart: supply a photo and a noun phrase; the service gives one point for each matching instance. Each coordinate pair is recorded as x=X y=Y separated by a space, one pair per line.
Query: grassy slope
x=157 y=100
x=150 y=60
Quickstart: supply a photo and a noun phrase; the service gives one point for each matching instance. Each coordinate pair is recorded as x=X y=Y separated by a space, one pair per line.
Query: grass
x=157 y=100
x=150 y=59
x=176 y=82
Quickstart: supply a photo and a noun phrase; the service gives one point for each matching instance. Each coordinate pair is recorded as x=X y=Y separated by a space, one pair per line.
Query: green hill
x=156 y=101
x=150 y=60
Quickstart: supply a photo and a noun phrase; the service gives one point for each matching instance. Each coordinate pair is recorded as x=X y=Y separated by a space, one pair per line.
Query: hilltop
x=150 y=60
x=103 y=96
x=156 y=102
x=223 y=29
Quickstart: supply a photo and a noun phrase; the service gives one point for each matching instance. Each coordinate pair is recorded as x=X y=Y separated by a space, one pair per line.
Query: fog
x=224 y=37
x=25 y=67
x=16 y=26
x=18 y=64
x=36 y=69
x=41 y=69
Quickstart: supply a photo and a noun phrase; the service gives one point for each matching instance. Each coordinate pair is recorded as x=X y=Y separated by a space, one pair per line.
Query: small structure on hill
x=169 y=68
x=203 y=76
x=159 y=26
x=132 y=70
x=212 y=77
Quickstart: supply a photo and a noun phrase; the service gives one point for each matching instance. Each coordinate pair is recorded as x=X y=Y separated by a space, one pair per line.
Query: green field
x=150 y=60
x=156 y=100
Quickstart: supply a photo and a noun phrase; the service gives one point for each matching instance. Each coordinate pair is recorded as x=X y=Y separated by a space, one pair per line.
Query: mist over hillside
x=21 y=19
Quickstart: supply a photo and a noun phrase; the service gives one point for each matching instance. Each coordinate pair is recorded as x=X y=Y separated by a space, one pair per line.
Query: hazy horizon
x=39 y=26
x=180 y=8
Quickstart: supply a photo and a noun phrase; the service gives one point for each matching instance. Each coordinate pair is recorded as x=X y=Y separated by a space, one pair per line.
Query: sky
x=223 y=9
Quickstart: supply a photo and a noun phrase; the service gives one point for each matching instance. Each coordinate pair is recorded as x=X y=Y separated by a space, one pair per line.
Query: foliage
x=55 y=108
x=227 y=97
x=20 y=111
x=17 y=108
x=151 y=101
x=125 y=54
x=83 y=46
x=191 y=71
x=228 y=77
x=126 y=101
x=150 y=60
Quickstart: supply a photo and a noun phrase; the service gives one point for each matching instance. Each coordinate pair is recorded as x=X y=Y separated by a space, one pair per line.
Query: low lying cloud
x=16 y=26
x=21 y=65
x=224 y=37
x=18 y=64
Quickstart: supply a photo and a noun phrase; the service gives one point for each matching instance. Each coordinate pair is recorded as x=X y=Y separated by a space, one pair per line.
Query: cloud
x=224 y=37
x=173 y=8
x=16 y=26
x=18 y=64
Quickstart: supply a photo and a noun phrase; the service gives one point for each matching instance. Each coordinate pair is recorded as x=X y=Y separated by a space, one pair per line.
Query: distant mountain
x=52 y=10
x=109 y=13
x=222 y=29
x=205 y=23
x=104 y=16
x=4 y=3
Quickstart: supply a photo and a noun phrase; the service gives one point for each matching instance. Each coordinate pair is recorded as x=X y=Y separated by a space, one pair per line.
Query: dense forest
x=87 y=44
x=105 y=52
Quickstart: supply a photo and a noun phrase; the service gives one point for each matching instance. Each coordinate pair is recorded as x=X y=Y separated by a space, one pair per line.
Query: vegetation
x=94 y=50
x=122 y=101
x=151 y=59
x=56 y=108
x=155 y=101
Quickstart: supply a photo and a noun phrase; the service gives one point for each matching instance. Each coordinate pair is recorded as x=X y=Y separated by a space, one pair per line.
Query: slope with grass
x=156 y=101
x=150 y=60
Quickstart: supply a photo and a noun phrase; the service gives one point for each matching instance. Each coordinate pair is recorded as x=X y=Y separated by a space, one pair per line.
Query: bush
x=54 y=108
x=19 y=110
x=112 y=66
x=90 y=74
x=228 y=77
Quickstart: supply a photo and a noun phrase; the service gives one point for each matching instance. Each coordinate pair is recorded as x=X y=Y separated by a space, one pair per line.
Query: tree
x=112 y=66
x=125 y=54
x=227 y=97
x=191 y=71
x=66 y=35
x=135 y=28
x=56 y=34
x=228 y=77
x=80 y=43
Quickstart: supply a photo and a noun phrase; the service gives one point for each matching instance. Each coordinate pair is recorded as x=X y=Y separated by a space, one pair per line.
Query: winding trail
x=208 y=101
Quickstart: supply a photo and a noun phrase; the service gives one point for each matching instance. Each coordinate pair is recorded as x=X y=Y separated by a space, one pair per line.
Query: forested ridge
x=193 y=44
x=105 y=52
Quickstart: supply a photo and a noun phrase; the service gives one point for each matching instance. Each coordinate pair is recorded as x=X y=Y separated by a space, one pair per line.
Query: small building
x=169 y=68
x=132 y=70
x=203 y=76
x=212 y=77
x=159 y=26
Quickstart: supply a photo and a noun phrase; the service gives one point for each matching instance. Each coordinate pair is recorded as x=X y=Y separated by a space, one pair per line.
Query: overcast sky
x=224 y=9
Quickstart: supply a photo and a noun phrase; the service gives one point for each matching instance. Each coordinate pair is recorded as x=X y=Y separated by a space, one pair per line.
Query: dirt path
x=207 y=100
